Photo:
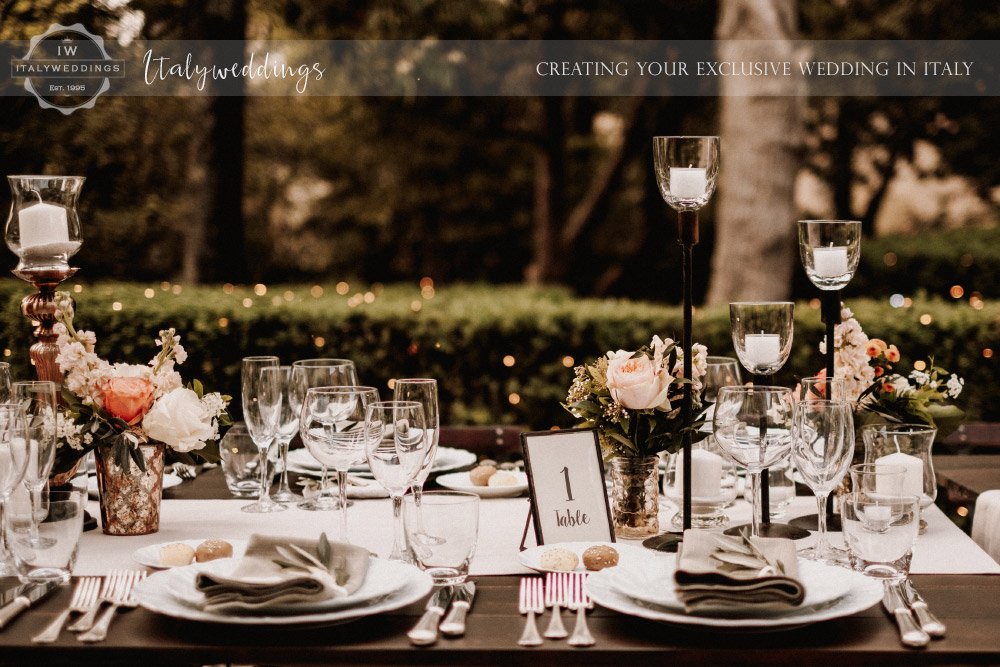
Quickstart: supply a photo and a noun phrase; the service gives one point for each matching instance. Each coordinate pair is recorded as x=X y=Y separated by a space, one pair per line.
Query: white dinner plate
x=448 y=458
x=823 y=583
x=150 y=555
x=629 y=556
x=459 y=481
x=388 y=585
x=170 y=480
x=864 y=593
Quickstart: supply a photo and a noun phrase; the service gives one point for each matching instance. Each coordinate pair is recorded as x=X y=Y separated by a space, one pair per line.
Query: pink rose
x=638 y=383
x=128 y=398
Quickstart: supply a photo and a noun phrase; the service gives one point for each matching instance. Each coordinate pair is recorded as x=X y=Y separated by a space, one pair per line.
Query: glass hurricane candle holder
x=909 y=446
x=43 y=227
x=687 y=169
x=762 y=334
x=713 y=485
x=830 y=250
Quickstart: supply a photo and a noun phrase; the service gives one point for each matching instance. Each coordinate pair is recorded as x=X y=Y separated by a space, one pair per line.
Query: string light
x=956 y=291
x=77 y=288
x=369 y=297
x=514 y=399
x=509 y=361
x=926 y=319
x=316 y=291
x=919 y=364
x=229 y=288
x=247 y=302
x=165 y=286
x=260 y=289
x=176 y=289
x=343 y=288
x=149 y=293
x=289 y=296
x=568 y=361
x=223 y=322
x=319 y=341
x=117 y=305
x=415 y=306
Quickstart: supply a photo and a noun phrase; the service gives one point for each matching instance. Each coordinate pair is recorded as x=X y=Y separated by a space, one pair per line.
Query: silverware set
x=425 y=632
x=917 y=625
x=560 y=590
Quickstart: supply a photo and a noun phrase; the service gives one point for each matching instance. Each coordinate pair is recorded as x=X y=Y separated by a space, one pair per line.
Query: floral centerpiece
x=128 y=414
x=882 y=394
x=633 y=401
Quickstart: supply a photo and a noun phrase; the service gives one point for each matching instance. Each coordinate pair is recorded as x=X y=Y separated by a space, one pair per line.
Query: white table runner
x=943 y=549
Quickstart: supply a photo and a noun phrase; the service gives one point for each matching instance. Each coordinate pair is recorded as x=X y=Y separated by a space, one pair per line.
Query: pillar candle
x=706 y=474
x=830 y=262
x=42 y=224
x=762 y=349
x=688 y=182
x=913 y=478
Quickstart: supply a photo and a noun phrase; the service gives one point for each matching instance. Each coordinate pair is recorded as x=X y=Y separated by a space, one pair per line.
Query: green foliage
x=462 y=335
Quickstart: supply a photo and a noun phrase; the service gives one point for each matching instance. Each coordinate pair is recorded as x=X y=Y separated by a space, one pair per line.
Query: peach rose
x=128 y=398
x=637 y=383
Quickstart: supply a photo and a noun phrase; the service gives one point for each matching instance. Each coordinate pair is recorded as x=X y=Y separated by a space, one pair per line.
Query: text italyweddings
x=161 y=69
x=28 y=68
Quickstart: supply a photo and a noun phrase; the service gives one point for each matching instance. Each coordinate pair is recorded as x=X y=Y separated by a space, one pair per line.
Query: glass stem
x=283 y=482
x=265 y=483
x=3 y=529
x=821 y=547
x=324 y=484
x=342 y=483
x=398 y=539
x=755 y=497
x=36 y=511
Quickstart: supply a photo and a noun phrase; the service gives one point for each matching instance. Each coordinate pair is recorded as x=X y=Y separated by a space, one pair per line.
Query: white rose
x=180 y=420
x=638 y=384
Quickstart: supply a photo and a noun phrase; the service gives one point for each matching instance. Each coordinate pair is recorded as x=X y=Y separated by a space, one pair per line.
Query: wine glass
x=261 y=408
x=830 y=250
x=309 y=373
x=5 y=382
x=38 y=399
x=820 y=387
x=396 y=445
x=332 y=427
x=822 y=448
x=288 y=426
x=719 y=372
x=762 y=334
x=753 y=426
x=423 y=391
x=13 y=463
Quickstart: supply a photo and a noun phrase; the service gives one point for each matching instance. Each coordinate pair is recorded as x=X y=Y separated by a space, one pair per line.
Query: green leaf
x=323 y=551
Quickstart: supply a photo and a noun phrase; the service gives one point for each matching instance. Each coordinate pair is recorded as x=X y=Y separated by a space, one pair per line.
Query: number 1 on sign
x=569 y=489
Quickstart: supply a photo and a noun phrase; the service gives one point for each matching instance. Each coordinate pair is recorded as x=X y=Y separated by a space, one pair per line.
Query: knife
x=425 y=632
x=909 y=632
x=928 y=621
x=27 y=596
x=454 y=623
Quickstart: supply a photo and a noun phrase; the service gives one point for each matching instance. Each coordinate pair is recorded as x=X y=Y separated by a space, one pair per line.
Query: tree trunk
x=762 y=134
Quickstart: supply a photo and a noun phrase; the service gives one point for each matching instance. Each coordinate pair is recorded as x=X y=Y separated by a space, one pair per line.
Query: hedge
x=501 y=354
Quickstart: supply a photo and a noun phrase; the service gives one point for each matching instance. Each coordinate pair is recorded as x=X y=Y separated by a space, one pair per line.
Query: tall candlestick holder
x=762 y=335
x=43 y=230
x=687 y=169
x=830 y=250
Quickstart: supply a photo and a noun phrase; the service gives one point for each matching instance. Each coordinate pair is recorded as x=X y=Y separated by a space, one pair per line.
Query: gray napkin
x=720 y=573
x=258 y=582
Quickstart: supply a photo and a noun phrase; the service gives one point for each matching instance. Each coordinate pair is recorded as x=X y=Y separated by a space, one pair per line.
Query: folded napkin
x=721 y=573
x=282 y=570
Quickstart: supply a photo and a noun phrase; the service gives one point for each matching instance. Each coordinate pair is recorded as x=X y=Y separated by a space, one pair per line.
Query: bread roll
x=502 y=479
x=599 y=557
x=559 y=559
x=176 y=554
x=213 y=550
x=480 y=475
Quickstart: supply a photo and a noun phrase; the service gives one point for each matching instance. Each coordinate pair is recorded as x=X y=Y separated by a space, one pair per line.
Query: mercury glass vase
x=635 y=496
x=130 y=499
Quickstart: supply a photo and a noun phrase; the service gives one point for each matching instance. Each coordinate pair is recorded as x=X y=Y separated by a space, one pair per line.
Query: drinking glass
x=5 y=382
x=288 y=426
x=441 y=533
x=13 y=463
x=425 y=392
x=38 y=399
x=395 y=445
x=822 y=449
x=880 y=530
x=719 y=372
x=753 y=426
x=308 y=373
x=60 y=527
x=332 y=426
x=908 y=445
x=261 y=407
x=762 y=334
x=241 y=461
x=819 y=387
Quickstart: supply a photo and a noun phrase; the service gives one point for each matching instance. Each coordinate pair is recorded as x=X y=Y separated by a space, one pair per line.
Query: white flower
x=955 y=385
x=920 y=377
x=180 y=420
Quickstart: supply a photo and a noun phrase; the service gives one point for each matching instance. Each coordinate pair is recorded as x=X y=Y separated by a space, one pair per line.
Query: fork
x=581 y=602
x=86 y=621
x=84 y=597
x=184 y=471
x=531 y=602
x=123 y=597
x=555 y=596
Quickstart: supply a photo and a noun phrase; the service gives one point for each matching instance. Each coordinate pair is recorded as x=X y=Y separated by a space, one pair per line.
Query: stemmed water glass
x=261 y=407
x=822 y=448
x=309 y=373
x=395 y=445
x=38 y=399
x=423 y=391
x=13 y=463
x=753 y=426
x=5 y=381
x=288 y=426
x=332 y=427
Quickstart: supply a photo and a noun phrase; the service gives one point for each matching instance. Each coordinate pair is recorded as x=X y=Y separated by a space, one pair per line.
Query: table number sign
x=569 y=502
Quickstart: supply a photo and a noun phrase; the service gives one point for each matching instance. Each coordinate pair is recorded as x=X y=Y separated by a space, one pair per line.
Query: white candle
x=706 y=474
x=43 y=224
x=830 y=262
x=688 y=182
x=913 y=477
x=762 y=349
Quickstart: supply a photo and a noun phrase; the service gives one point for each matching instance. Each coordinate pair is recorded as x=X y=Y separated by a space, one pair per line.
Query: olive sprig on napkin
x=295 y=557
x=739 y=553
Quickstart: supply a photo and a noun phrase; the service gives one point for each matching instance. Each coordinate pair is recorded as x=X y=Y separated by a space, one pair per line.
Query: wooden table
x=968 y=475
